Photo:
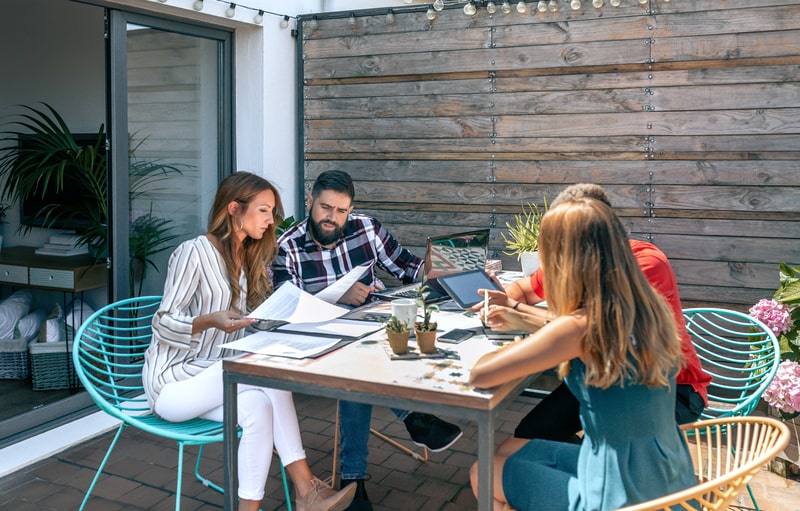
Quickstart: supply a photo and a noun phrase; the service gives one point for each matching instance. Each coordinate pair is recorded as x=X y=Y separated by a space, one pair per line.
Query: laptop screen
x=455 y=253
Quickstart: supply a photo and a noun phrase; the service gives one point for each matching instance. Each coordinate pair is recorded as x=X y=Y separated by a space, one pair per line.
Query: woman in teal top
x=615 y=342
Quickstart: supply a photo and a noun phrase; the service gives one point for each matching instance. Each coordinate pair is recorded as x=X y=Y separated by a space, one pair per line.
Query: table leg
x=486 y=464
x=229 y=441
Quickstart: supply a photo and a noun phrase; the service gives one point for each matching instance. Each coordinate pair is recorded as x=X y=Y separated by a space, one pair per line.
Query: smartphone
x=456 y=335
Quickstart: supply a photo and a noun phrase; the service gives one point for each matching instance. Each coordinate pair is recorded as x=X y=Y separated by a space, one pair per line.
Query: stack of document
x=296 y=337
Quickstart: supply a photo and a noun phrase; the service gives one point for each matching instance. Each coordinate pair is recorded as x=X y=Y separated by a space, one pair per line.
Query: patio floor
x=141 y=471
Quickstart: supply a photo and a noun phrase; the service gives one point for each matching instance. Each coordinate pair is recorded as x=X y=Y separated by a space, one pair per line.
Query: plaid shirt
x=364 y=239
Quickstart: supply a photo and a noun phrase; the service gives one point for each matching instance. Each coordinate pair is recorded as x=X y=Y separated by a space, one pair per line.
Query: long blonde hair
x=258 y=253
x=588 y=263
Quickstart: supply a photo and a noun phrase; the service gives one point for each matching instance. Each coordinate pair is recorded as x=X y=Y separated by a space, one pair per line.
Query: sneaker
x=360 y=500
x=431 y=432
x=322 y=497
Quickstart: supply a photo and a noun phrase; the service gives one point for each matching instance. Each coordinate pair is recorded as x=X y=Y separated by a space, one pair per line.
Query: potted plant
x=398 y=333
x=425 y=330
x=523 y=236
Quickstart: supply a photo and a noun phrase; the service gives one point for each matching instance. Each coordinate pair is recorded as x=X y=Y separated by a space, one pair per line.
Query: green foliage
x=523 y=236
x=788 y=292
x=395 y=325
x=42 y=166
x=286 y=224
x=426 y=325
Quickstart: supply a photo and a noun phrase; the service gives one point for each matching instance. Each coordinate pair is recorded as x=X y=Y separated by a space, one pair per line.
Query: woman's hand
x=495 y=298
x=506 y=318
x=227 y=321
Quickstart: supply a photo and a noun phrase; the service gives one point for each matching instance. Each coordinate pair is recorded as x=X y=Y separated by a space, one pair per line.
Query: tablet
x=463 y=287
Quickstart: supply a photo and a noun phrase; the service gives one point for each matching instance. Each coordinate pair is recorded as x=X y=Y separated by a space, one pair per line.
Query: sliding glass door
x=170 y=121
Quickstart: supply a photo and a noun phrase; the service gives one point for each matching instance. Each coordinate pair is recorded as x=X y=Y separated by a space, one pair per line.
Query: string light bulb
x=284 y=22
x=552 y=5
x=162 y=1
x=430 y=14
x=597 y=3
x=197 y=5
x=575 y=5
x=352 y=20
x=469 y=8
x=438 y=5
x=642 y=2
x=615 y=3
x=506 y=7
x=314 y=23
x=541 y=6
x=491 y=8
x=259 y=17
x=230 y=12
x=390 y=17
x=522 y=7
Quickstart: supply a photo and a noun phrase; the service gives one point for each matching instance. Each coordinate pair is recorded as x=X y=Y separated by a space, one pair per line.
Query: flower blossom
x=783 y=392
x=774 y=314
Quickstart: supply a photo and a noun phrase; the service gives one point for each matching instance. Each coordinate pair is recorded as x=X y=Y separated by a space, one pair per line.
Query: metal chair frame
x=727 y=453
x=740 y=353
x=108 y=355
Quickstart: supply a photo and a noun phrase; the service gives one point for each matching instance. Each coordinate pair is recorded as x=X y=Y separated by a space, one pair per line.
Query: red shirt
x=659 y=273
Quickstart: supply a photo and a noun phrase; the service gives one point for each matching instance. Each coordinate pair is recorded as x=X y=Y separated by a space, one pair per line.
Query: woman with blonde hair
x=614 y=340
x=212 y=282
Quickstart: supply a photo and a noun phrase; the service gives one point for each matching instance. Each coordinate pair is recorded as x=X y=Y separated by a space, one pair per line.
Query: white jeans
x=267 y=417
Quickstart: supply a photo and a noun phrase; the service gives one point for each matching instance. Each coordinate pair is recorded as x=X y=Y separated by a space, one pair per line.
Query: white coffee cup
x=405 y=310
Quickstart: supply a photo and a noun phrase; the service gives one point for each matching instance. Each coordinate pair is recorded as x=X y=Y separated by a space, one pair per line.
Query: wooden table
x=364 y=372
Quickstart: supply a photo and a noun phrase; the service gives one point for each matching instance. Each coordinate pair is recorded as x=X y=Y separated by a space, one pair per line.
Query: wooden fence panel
x=688 y=113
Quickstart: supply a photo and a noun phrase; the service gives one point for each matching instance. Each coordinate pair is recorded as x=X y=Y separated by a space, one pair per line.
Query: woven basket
x=51 y=366
x=14 y=360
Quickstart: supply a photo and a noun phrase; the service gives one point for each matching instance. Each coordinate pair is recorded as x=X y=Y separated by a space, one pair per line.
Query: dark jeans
x=556 y=416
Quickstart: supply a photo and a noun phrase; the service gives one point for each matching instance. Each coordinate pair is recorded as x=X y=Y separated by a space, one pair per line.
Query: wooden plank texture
x=688 y=114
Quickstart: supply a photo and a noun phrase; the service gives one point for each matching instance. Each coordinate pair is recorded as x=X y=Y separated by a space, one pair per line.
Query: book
x=63 y=252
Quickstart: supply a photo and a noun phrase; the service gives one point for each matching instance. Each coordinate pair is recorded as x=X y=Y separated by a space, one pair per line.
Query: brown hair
x=588 y=263
x=258 y=253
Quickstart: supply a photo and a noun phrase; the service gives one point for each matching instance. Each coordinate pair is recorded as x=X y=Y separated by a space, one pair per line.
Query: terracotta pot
x=426 y=341
x=398 y=341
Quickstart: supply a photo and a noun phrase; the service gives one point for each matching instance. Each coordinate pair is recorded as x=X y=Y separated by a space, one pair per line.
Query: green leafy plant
x=523 y=236
x=286 y=224
x=42 y=165
x=426 y=325
x=393 y=324
x=4 y=207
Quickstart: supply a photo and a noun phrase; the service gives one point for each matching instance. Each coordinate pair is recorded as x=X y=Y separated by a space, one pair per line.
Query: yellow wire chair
x=108 y=358
x=727 y=453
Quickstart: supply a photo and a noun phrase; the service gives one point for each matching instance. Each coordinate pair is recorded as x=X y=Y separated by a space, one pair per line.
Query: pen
x=485 y=304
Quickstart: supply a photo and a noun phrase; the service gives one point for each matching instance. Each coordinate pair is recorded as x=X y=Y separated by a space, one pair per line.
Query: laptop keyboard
x=408 y=293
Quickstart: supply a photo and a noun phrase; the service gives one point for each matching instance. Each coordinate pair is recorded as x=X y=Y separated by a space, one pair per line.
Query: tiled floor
x=141 y=471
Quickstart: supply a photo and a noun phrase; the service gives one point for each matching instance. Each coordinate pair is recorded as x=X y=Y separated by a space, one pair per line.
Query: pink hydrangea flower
x=774 y=314
x=783 y=392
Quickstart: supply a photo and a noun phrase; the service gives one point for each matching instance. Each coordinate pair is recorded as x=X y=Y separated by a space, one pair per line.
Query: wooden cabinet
x=22 y=267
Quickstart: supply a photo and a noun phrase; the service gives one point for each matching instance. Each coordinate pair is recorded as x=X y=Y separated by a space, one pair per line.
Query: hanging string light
x=230 y=12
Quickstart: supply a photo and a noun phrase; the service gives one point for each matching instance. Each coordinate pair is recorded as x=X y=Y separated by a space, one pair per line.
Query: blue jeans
x=354 y=420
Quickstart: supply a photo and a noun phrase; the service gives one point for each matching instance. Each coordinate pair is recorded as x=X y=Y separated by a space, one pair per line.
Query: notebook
x=445 y=255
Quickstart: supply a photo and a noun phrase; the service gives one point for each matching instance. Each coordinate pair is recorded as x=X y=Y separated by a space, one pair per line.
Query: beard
x=324 y=237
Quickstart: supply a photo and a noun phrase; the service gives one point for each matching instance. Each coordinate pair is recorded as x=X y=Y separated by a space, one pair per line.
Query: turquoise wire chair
x=740 y=353
x=108 y=357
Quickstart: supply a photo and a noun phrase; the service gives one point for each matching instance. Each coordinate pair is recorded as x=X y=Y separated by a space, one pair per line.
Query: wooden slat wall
x=688 y=113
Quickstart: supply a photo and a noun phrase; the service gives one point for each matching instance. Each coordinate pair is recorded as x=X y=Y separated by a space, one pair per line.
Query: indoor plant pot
x=425 y=330
x=398 y=333
x=523 y=237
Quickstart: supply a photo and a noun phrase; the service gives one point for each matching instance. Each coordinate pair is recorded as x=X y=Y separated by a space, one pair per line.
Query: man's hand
x=356 y=295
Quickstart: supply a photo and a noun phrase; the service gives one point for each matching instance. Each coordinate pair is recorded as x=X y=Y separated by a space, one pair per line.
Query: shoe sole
x=444 y=447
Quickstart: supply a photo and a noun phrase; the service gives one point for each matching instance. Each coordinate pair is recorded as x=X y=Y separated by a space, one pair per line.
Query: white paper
x=282 y=344
x=292 y=304
x=343 y=327
x=332 y=293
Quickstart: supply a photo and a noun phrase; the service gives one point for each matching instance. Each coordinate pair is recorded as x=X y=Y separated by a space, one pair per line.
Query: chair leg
x=752 y=497
x=286 y=489
x=419 y=457
x=180 y=478
x=101 y=467
x=208 y=483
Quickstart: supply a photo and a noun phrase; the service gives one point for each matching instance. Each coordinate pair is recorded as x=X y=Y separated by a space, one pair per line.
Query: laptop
x=445 y=255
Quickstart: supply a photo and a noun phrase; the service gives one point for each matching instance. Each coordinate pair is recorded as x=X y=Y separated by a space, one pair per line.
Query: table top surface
x=367 y=365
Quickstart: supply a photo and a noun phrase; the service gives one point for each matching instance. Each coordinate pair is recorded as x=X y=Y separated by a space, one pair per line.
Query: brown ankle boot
x=322 y=497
